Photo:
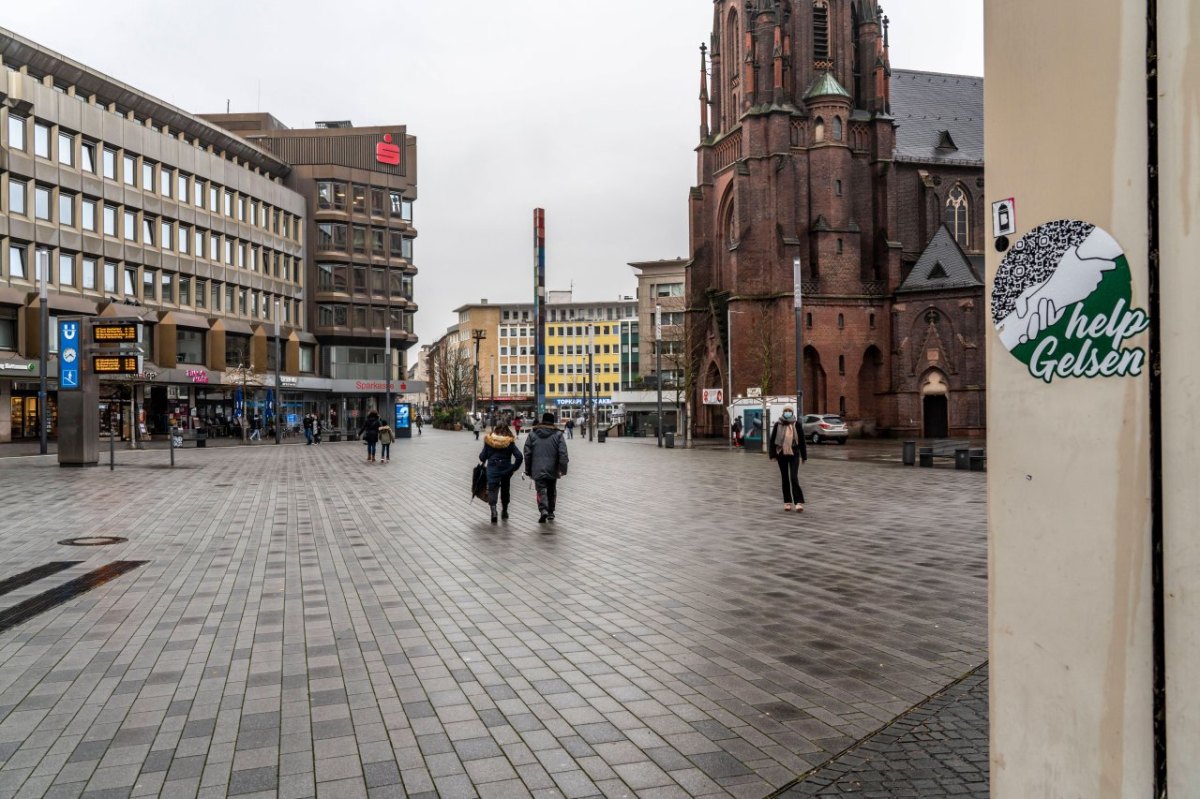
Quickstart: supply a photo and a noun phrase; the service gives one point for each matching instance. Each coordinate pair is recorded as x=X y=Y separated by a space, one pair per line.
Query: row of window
x=124 y=280
x=841 y=321
x=133 y=170
x=375 y=317
x=339 y=237
x=121 y=222
x=331 y=196
x=552 y=314
x=347 y=279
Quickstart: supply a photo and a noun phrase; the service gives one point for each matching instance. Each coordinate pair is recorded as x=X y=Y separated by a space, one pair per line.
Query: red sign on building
x=386 y=152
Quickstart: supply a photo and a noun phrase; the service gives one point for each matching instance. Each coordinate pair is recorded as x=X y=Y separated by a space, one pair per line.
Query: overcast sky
x=586 y=108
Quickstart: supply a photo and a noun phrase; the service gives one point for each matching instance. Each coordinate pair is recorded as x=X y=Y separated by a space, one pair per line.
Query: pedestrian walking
x=545 y=463
x=308 y=429
x=736 y=431
x=478 y=426
x=788 y=450
x=318 y=428
x=419 y=424
x=369 y=432
x=570 y=428
x=386 y=437
x=503 y=458
x=517 y=425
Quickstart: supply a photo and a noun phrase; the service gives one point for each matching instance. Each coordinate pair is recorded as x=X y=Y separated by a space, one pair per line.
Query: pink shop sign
x=198 y=375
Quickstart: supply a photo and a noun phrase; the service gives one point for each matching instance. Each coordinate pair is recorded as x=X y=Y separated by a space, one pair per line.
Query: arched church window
x=837 y=128
x=841 y=321
x=958 y=216
x=820 y=31
x=819 y=130
x=731 y=237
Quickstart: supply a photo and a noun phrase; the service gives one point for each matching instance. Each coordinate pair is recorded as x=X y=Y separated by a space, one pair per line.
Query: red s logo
x=386 y=152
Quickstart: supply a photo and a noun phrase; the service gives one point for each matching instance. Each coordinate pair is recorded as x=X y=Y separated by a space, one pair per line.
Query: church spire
x=703 y=93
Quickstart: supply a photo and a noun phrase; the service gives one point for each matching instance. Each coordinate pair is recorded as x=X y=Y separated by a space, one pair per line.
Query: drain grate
x=93 y=541
x=54 y=597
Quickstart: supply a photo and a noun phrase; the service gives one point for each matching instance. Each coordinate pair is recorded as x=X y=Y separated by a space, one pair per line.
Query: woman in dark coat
x=370 y=434
x=503 y=459
x=788 y=450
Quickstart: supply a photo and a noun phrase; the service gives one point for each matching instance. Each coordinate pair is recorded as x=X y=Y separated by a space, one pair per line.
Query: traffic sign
x=68 y=352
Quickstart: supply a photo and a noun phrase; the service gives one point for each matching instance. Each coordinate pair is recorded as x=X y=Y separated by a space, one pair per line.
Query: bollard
x=171 y=445
x=926 y=454
x=112 y=449
x=910 y=453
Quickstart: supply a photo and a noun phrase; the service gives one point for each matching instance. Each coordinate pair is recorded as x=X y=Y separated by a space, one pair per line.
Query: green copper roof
x=825 y=85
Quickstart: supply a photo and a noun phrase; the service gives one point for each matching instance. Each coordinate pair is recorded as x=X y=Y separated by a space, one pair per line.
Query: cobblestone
x=309 y=625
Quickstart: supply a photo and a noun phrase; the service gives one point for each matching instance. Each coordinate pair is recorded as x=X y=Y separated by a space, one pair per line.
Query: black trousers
x=547 y=494
x=789 y=470
x=500 y=490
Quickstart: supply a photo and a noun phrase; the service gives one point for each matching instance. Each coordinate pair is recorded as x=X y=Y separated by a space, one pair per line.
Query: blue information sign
x=402 y=415
x=68 y=354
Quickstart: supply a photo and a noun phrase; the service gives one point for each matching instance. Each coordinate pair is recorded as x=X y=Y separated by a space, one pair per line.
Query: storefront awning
x=187 y=320
x=236 y=326
x=65 y=302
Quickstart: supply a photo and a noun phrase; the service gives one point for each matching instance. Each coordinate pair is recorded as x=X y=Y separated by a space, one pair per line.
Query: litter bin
x=962 y=459
x=910 y=453
x=926 y=454
x=201 y=439
x=601 y=435
x=669 y=440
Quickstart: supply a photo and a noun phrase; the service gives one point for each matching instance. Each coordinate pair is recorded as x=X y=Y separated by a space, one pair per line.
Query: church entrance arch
x=712 y=419
x=814 y=383
x=935 y=405
x=868 y=385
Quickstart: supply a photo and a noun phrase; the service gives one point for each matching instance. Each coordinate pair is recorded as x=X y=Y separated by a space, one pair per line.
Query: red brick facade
x=799 y=159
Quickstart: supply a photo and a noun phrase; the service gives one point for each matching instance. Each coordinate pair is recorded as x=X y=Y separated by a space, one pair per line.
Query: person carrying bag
x=788 y=450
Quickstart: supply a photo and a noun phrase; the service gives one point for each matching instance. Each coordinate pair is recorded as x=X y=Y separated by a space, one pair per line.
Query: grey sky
x=585 y=108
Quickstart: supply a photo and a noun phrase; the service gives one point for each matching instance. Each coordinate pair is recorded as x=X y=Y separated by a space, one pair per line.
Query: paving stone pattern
x=936 y=750
x=311 y=625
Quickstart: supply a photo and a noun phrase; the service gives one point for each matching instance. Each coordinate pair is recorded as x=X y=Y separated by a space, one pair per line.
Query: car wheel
x=816 y=438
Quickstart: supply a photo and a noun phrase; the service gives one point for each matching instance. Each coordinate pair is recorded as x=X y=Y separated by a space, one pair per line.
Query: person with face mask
x=787 y=449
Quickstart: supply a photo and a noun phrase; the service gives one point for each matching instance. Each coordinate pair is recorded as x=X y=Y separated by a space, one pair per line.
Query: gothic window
x=731 y=238
x=841 y=321
x=820 y=31
x=837 y=128
x=819 y=130
x=958 y=216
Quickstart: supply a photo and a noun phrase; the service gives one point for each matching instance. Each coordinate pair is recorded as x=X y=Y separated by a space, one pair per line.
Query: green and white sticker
x=1062 y=303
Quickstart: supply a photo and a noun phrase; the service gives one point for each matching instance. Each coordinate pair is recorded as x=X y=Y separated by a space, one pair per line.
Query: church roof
x=939 y=117
x=824 y=86
x=943 y=265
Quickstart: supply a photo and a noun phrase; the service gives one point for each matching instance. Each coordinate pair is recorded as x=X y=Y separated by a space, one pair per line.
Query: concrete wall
x=1068 y=470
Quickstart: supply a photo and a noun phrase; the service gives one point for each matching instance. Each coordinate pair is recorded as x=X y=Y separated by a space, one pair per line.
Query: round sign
x=1062 y=303
x=68 y=355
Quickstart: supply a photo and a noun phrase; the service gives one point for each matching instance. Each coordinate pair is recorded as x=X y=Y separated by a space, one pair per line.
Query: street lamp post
x=593 y=410
x=278 y=381
x=43 y=258
x=658 y=366
x=387 y=378
x=798 y=303
x=478 y=335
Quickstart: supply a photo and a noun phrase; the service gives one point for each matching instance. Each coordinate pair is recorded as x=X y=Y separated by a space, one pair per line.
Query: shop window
x=8 y=328
x=189 y=346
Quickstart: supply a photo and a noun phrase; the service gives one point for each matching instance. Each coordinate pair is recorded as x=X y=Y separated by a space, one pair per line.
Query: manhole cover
x=93 y=541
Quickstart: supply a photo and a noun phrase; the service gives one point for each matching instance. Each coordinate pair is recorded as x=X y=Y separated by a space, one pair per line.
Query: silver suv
x=820 y=427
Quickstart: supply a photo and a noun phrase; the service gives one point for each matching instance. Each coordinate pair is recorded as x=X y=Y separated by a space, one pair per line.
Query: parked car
x=820 y=427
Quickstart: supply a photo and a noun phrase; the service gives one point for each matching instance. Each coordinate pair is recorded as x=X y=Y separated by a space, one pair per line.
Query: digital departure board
x=122 y=333
x=116 y=364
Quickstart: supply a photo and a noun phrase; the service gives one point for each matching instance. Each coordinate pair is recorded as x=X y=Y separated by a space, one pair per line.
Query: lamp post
x=387 y=377
x=658 y=367
x=43 y=258
x=278 y=381
x=478 y=335
x=592 y=409
x=798 y=303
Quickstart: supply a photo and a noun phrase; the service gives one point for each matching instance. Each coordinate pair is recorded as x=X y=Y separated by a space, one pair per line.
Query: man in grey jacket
x=545 y=462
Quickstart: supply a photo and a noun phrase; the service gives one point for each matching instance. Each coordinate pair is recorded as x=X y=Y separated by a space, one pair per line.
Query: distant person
x=369 y=432
x=570 y=428
x=386 y=437
x=503 y=458
x=788 y=450
x=478 y=426
x=736 y=431
x=308 y=429
x=419 y=424
x=318 y=428
x=545 y=463
x=517 y=425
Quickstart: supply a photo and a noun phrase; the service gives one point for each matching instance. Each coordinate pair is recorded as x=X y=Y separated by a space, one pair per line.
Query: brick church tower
x=797 y=159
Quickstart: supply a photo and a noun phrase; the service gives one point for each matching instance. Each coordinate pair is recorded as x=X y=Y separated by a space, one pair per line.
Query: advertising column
x=1070 y=428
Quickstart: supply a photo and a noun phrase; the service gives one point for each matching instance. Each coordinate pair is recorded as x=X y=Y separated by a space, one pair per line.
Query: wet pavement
x=306 y=624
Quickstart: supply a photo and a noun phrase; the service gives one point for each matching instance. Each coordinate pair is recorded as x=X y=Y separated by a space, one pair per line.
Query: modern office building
x=137 y=209
x=661 y=286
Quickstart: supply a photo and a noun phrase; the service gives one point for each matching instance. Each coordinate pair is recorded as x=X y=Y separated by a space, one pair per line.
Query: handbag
x=479 y=482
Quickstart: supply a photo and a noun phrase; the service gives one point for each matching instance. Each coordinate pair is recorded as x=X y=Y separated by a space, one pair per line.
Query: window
x=324 y=194
x=378 y=206
x=840 y=246
x=16 y=132
x=229 y=299
x=214 y=247
x=87 y=214
x=16 y=196
x=837 y=128
x=41 y=202
x=8 y=329
x=168 y=287
x=110 y=163
x=198 y=193
x=41 y=140
x=129 y=170
x=185 y=238
x=242 y=302
x=668 y=290
x=181 y=185
x=130 y=281
x=241 y=204
x=164 y=234
x=958 y=216
x=66 y=269
x=377 y=241
x=842 y=406
x=820 y=31
x=253 y=212
x=66 y=148
x=88 y=270
x=87 y=156
x=358 y=196
x=130 y=226
x=360 y=239
x=837 y=188
x=819 y=130
x=808 y=320
x=149 y=284
x=216 y=296
x=148 y=230
x=189 y=346
x=214 y=197
x=198 y=250
x=306 y=358
x=110 y=277
x=841 y=364
x=841 y=322
x=17 y=254
x=229 y=251
x=147 y=175
x=110 y=220
x=166 y=180
x=228 y=203
x=407 y=250
x=871 y=321
x=66 y=209
x=201 y=293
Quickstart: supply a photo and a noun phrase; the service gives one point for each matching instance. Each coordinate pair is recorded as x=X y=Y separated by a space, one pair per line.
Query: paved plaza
x=290 y=621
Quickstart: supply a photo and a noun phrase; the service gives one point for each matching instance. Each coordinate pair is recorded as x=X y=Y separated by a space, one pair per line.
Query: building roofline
x=938 y=74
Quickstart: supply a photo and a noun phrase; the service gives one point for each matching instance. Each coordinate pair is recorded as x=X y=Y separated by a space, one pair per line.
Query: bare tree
x=765 y=347
x=245 y=375
x=450 y=374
